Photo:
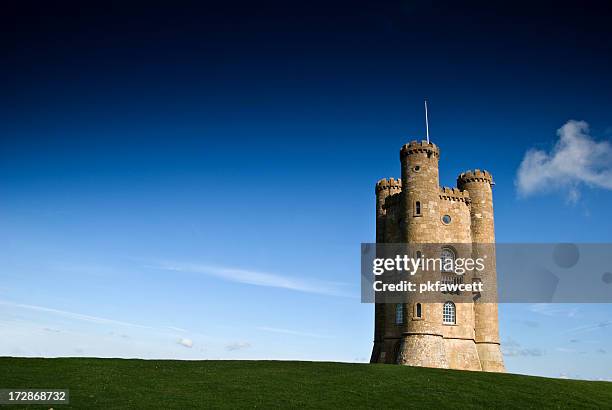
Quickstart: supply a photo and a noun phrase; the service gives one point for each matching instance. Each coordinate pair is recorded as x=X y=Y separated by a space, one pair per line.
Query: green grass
x=165 y=384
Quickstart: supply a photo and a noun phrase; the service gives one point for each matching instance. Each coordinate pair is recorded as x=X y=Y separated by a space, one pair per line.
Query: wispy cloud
x=530 y=323
x=176 y=329
x=551 y=309
x=51 y=330
x=73 y=315
x=590 y=327
x=576 y=159
x=258 y=278
x=237 y=346
x=512 y=348
x=293 y=332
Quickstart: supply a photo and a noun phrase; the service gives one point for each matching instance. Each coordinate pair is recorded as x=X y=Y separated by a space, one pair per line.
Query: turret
x=478 y=183
x=420 y=187
x=384 y=188
x=486 y=326
x=419 y=223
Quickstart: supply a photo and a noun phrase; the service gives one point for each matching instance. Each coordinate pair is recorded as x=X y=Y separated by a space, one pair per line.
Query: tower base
x=491 y=358
x=412 y=347
x=462 y=354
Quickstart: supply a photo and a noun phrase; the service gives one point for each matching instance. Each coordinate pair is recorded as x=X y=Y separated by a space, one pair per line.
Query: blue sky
x=196 y=183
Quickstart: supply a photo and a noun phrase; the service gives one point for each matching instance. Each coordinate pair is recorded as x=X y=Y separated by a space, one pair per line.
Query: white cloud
x=576 y=159
x=258 y=278
x=237 y=346
x=185 y=342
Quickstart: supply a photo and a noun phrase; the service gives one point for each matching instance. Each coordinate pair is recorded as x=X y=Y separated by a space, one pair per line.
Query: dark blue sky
x=291 y=94
x=250 y=135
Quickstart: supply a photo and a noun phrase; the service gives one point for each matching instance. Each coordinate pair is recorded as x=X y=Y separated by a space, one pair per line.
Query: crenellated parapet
x=392 y=185
x=454 y=194
x=420 y=147
x=474 y=176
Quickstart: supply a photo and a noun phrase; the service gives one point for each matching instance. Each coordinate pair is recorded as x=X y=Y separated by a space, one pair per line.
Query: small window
x=418 y=311
x=399 y=314
x=447 y=259
x=448 y=314
x=417 y=168
x=417 y=208
x=446 y=219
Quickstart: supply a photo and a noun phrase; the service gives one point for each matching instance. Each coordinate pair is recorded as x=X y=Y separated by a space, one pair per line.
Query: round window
x=446 y=219
x=417 y=168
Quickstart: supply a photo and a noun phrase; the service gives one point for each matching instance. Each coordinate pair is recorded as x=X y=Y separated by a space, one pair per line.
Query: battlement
x=391 y=184
x=474 y=176
x=416 y=147
x=454 y=194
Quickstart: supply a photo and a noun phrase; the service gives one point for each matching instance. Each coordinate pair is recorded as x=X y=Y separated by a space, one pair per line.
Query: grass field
x=164 y=384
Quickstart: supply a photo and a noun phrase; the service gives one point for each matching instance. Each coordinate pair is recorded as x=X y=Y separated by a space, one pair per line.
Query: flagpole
x=426 y=122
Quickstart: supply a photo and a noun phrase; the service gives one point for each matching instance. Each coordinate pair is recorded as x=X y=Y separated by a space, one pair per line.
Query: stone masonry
x=410 y=210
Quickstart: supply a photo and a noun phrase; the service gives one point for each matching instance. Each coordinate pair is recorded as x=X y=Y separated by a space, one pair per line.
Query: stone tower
x=415 y=210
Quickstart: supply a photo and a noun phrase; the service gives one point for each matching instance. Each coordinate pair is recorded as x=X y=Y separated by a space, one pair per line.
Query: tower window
x=446 y=219
x=448 y=314
x=447 y=257
x=418 y=311
x=416 y=168
x=399 y=314
x=417 y=208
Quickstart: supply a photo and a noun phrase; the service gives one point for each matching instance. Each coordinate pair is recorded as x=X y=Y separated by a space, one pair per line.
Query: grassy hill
x=163 y=384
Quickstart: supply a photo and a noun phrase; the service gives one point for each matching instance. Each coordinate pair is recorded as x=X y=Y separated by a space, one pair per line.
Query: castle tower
x=419 y=200
x=479 y=184
x=419 y=224
x=420 y=212
x=384 y=189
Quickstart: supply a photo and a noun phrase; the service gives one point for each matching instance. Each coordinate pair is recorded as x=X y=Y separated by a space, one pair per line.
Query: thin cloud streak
x=258 y=278
x=73 y=315
x=293 y=332
x=237 y=346
x=551 y=309
x=590 y=328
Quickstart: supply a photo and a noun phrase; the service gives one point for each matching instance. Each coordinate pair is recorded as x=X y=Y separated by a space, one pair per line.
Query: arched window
x=417 y=208
x=399 y=314
x=449 y=316
x=418 y=311
x=447 y=257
